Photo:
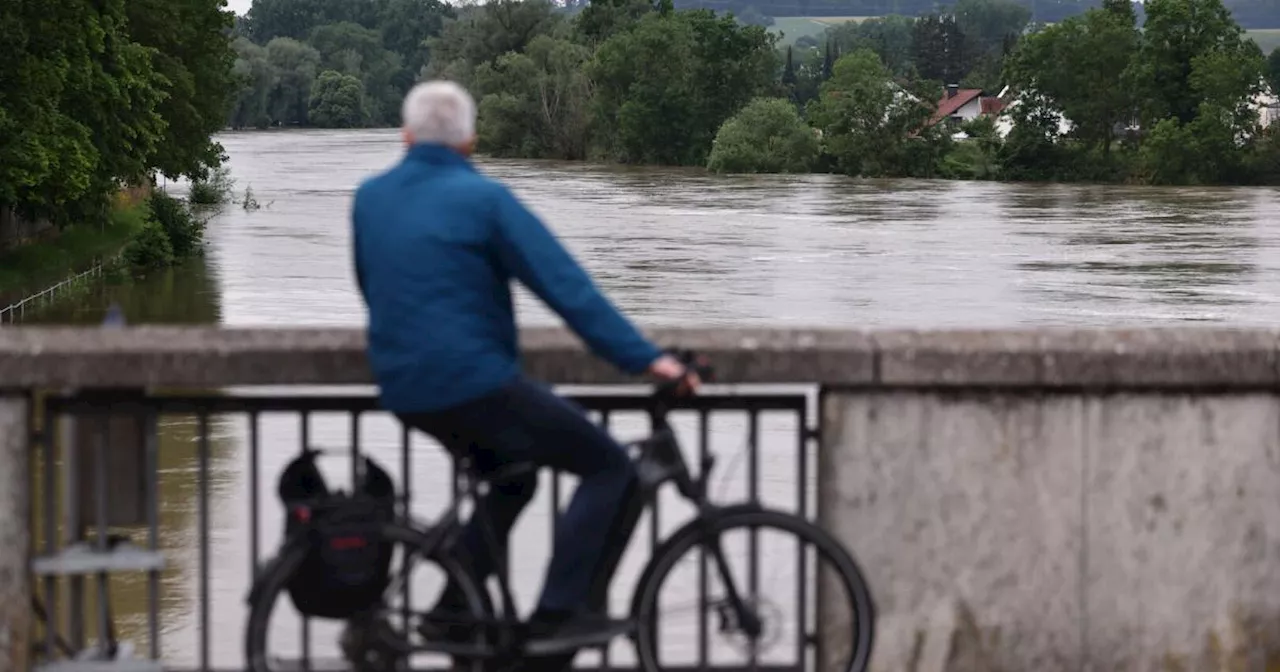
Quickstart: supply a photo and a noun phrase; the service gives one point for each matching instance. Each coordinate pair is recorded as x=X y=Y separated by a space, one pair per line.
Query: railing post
x=15 y=532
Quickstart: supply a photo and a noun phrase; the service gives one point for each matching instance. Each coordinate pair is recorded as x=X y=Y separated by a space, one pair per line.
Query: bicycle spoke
x=753 y=629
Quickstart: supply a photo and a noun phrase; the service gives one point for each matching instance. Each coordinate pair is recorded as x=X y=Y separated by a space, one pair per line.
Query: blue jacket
x=436 y=247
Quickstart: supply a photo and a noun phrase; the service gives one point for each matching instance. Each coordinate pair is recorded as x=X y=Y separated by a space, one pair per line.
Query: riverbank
x=33 y=266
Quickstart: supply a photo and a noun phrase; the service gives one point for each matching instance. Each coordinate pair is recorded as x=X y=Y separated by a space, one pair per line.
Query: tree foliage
x=766 y=136
x=98 y=93
x=652 y=81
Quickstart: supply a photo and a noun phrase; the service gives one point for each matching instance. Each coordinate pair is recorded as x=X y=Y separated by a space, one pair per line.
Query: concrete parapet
x=1019 y=500
x=1073 y=531
x=1049 y=358
x=15 y=533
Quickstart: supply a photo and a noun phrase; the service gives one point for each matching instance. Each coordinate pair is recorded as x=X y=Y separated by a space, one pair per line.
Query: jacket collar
x=437 y=155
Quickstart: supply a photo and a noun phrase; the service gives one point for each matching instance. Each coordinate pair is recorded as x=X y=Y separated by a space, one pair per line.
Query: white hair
x=439 y=112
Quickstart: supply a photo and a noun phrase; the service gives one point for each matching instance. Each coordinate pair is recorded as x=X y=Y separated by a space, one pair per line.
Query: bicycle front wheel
x=704 y=602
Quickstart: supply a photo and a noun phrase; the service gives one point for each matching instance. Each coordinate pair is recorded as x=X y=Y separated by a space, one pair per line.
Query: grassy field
x=795 y=27
x=1267 y=38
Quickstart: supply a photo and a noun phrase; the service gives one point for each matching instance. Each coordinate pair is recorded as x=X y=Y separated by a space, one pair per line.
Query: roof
x=948 y=106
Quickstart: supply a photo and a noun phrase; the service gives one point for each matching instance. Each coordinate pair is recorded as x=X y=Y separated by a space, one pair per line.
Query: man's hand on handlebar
x=670 y=369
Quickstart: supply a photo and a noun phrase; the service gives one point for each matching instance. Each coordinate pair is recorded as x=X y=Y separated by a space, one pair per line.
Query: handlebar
x=661 y=450
x=694 y=363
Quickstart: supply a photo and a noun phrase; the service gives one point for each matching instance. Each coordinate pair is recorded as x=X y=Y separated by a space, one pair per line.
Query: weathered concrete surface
x=1068 y=531
x=1053 y=358
x=15 y=542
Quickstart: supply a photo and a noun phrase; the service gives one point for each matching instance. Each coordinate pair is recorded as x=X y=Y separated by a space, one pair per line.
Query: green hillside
x=795 y=27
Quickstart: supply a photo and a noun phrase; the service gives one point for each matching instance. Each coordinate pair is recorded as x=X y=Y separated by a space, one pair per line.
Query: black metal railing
x=152 y=513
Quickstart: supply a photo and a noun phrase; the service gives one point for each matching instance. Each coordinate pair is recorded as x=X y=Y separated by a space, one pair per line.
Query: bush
x=150 y=248
x=213 y=189
x=766 y=136
x=184 y=231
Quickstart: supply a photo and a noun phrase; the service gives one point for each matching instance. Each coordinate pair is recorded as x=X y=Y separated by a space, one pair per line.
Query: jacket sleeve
x=355 y=246
x=533 y=255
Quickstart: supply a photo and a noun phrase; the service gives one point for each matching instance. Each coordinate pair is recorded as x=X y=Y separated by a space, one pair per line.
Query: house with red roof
x=961 y=105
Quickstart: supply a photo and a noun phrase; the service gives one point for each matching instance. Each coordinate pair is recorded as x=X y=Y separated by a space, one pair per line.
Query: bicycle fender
x=272 y=565
x=692 y=528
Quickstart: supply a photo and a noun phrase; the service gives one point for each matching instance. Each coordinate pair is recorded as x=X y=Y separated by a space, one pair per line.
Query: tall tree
x=1175 y=34
x=867 y=120
x=941 y=53
x=989 y=23
x=1082 y=67
x=195 y=59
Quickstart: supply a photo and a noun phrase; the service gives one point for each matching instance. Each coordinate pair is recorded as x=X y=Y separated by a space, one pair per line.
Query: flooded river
x=672 y=247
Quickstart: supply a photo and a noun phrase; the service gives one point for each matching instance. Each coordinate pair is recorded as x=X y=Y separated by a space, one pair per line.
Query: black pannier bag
x=347 y=564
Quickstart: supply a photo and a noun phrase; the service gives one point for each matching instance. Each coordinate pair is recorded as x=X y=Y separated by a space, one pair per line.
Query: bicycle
x=659 y=460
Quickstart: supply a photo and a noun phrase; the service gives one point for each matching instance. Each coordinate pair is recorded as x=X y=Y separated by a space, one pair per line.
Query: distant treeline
x=1250 y=14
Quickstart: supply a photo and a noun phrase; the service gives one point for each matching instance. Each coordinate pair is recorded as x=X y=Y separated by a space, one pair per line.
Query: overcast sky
x=239 y=6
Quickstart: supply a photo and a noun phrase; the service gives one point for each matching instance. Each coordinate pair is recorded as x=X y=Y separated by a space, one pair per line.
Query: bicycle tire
x=646 y=611
x=270 y=585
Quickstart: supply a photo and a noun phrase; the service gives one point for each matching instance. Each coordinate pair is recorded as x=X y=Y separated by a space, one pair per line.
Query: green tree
x=891 y=37
x=49 y=157
x=1175 y=34
x=406 y=25
x=1082 y=68
x=296 y=66
x=766 y=136
x=940 y=48
x=484 y=33
x=337 y=101
x=664 y=88
x=194 y=60
x=536 y=104
x=988 y=24
x=602 y=19
x=867 y=120
x=352 y=49
x=256 y=78
x=296 y=19
x=111 y=90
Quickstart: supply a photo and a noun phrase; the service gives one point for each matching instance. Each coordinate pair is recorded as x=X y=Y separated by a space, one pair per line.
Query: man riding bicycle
x=437 y=245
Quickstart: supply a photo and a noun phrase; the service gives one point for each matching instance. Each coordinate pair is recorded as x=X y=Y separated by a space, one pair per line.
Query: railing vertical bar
x=254 y=523
x=704 y=645
x=753 y=485
x=606 y=421
x=654 y=508
x=555 y=503
x=406 y=608
x=73 y=532
x=305 y=439
x=105 y=634
x=50 y=528
x=204 y=538
x=152 y=451
x=802 y=584
x=355 y=448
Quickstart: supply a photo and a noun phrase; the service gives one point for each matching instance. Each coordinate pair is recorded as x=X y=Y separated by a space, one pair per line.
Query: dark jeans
x=526 y=422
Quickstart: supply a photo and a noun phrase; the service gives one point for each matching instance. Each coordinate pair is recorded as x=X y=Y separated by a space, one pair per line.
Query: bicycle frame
x=659 y=460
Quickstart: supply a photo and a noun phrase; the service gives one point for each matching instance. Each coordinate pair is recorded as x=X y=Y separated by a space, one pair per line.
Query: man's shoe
x=560 y=634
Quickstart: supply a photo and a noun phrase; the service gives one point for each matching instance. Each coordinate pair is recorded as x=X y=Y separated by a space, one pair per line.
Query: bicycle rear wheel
x=379 y=641
x=826 y=600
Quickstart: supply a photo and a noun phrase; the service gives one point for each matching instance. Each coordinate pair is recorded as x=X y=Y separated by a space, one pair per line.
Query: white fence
x=14 y=313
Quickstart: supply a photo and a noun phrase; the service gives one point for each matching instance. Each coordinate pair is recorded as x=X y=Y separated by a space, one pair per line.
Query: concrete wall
x=1030 y=500
x=1062 y=531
